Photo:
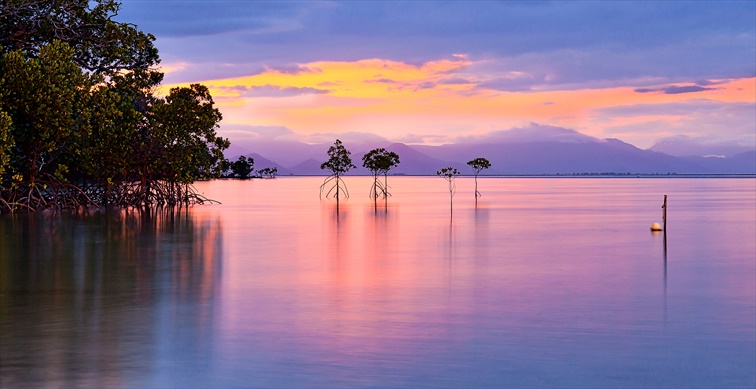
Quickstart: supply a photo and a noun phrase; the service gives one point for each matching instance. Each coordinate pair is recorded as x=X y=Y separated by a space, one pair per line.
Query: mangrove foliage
x=81 y=120
x=379 y=162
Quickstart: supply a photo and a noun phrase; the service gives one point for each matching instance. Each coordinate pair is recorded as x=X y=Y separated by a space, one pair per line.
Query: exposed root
x=49 y=193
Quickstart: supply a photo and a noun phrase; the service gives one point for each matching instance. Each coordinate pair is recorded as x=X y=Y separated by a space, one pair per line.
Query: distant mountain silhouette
x=310 y=167
x=288 y=153
x=414 y=162
x=563 y=152
x=684 y=146
x=607 y=156
x=743 y=163
x=262 y=162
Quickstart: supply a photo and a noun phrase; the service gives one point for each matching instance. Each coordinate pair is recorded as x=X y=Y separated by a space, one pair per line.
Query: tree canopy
x=242 y=167
x=379 y=161
x=478 y=164
x=80 y=123
x=268 y=172
x=100 y=44
x=339 y=159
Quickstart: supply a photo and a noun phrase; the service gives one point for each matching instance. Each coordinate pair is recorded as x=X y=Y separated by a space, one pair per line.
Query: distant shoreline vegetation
x=81 y=123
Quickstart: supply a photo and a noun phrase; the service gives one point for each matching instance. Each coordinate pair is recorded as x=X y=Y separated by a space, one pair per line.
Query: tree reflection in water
x=104 y=294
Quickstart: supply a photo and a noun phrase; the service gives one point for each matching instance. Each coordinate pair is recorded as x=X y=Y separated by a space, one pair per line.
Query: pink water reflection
x=551 y=277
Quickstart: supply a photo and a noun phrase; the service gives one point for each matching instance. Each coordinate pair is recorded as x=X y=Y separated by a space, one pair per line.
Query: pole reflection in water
x=665 y=275
x=663 y=234
x=100 y=299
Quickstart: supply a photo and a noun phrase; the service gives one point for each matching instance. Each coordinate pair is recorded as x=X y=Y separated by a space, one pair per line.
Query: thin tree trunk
x=451 y=198
x=337 y=195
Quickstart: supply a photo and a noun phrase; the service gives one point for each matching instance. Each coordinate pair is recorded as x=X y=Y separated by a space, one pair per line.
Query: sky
x=434 y=72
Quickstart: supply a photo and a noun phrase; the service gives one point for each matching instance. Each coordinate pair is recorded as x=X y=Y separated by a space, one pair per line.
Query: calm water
x=549 y=282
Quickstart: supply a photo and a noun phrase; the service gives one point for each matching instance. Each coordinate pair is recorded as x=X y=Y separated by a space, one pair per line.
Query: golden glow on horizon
x=393 y=99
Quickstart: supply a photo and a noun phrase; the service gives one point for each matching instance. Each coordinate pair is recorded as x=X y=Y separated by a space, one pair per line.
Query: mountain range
x=563 y=152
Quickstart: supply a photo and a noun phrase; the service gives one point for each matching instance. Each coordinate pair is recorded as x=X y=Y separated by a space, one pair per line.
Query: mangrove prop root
x=50 y=193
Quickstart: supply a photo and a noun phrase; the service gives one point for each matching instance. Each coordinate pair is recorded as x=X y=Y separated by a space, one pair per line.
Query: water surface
x=546 y=282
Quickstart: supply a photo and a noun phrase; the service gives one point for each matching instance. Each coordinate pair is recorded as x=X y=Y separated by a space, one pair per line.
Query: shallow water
x=547 y=282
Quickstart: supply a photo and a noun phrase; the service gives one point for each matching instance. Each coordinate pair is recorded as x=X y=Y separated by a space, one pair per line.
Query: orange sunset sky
x=441 y=72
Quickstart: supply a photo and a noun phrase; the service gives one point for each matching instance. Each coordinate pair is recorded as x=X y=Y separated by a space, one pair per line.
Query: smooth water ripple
x=546 y=282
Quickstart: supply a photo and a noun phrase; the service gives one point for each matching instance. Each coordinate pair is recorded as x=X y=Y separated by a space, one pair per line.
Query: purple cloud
x=456 y=81
x=533 y=132
x=669 y=41
x=684 y=145
x=382 y=81
x=709 y=82
x=426 y=85
x=295 y=69
x=277 y=91
x=519 y=82
x=673 y=89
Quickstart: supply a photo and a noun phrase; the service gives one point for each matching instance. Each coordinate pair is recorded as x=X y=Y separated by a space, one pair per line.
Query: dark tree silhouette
x=379 y=161
x=268 y=172
x=243 y=167
x=450 y=174
x=478 y=164
x=338 y=163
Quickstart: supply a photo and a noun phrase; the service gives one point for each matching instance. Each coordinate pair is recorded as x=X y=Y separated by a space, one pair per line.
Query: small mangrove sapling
x=338 y=163
x=449 y=174
x=478 y=164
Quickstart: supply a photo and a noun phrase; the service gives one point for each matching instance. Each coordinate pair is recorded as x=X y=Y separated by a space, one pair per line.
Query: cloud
x=456 y=81
x=412 y=139
x=714 y=121
x=556 y=42
x=249 y=132
x=381 y=81
x=684 y=145
x=212 y=19
x=679 y=108
x=710 y=82
x=230 y=93
x=517 y=83
x=533 y=132
x=278 y=91
x=673 y=89
x=425 y=85
x=294 y=69
x=346 y=137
